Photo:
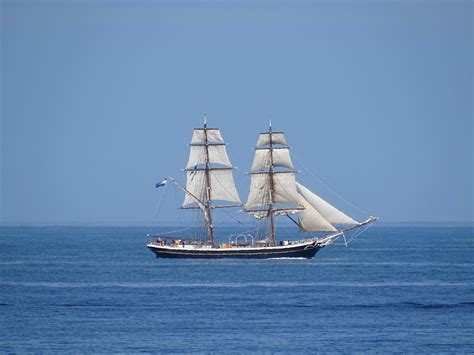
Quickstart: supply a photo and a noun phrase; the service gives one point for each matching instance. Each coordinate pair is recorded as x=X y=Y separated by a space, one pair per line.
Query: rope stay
x=354 y=234
x=328 y=186
x=158 y=208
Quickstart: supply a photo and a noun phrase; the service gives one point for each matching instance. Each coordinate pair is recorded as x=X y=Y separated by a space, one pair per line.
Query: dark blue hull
x=306 y=251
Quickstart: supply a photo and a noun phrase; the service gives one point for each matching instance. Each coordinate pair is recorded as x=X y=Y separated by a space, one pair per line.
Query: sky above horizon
x=99 y=99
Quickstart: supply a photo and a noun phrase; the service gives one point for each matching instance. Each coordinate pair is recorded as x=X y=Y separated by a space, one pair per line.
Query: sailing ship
x=274 y=192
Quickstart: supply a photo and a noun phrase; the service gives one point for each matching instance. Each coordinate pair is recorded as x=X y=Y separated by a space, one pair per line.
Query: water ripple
x=268 y=284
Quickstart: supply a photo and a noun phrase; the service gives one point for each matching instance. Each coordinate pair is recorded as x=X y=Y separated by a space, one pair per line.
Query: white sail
x=262 y=160
x=259 y=194
x=213 y=136
x=196 y=185
x=222 y=186
x=310 y=220
x=329 y=212
x=217 y=155
x=277 y=138
x=284 y=190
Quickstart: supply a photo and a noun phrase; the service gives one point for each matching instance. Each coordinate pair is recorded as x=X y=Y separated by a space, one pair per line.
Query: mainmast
x=274 y=191
x=209 y=175
x=272 y=200
x=210 y=227
x=273 y=185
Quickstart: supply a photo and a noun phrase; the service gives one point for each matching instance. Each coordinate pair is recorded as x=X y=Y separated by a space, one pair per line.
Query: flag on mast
x=162 y=183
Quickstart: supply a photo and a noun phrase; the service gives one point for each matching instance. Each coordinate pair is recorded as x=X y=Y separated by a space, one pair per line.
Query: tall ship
x=274 y=193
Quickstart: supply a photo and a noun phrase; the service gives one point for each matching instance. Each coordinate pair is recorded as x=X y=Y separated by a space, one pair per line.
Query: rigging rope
x=228 y=214
x=158 y=207
x=359 y=232
x=328 y=186
x=180 y=216
x=174 y=231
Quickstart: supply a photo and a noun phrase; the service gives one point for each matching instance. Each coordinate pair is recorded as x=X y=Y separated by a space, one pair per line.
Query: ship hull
x=306 y=251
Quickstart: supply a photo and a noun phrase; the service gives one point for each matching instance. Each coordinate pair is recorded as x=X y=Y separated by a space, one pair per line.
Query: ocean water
x=98 y=289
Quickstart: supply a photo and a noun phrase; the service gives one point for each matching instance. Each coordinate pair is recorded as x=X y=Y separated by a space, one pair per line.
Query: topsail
x=275 y=137
x=209 y=170
x=206 y=136
x=215 y=154
x=280 y=158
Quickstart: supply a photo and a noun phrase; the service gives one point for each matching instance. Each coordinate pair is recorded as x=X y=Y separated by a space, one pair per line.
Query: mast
x=272 y=200
x=210 y=227
x=209 y=177
x=274 y=191
x=273 y=185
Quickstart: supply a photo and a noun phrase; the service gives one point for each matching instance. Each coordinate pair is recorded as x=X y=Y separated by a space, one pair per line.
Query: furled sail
x=263 y=159
x=259 y=214
x=326 y=210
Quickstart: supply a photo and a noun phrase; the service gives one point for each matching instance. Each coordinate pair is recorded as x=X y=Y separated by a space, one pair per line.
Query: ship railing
x=234 y=240
x=160 y=239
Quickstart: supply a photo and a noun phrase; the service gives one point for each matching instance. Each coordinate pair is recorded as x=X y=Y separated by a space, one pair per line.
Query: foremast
x=209 y=176
x=210 y=226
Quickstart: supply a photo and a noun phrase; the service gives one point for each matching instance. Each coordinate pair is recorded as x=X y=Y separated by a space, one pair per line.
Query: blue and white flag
x=162 y=183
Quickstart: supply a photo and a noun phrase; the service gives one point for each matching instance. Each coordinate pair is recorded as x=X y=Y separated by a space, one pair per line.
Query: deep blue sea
x=98 y=289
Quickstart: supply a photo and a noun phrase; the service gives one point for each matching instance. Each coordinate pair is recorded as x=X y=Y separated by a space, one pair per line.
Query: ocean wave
x=466 y=304
x=189 y=263
x=284 y=258
x=438 y=305
x=69 y=262
x=312 y=305
x=392 y=263
x=264 y=284
x=444 y=249
x=420 y=305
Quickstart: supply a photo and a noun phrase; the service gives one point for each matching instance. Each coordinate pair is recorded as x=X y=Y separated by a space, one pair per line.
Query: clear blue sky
x=99 y=99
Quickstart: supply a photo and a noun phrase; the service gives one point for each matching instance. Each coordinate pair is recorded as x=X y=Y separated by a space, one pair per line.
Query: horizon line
x=178 y=223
